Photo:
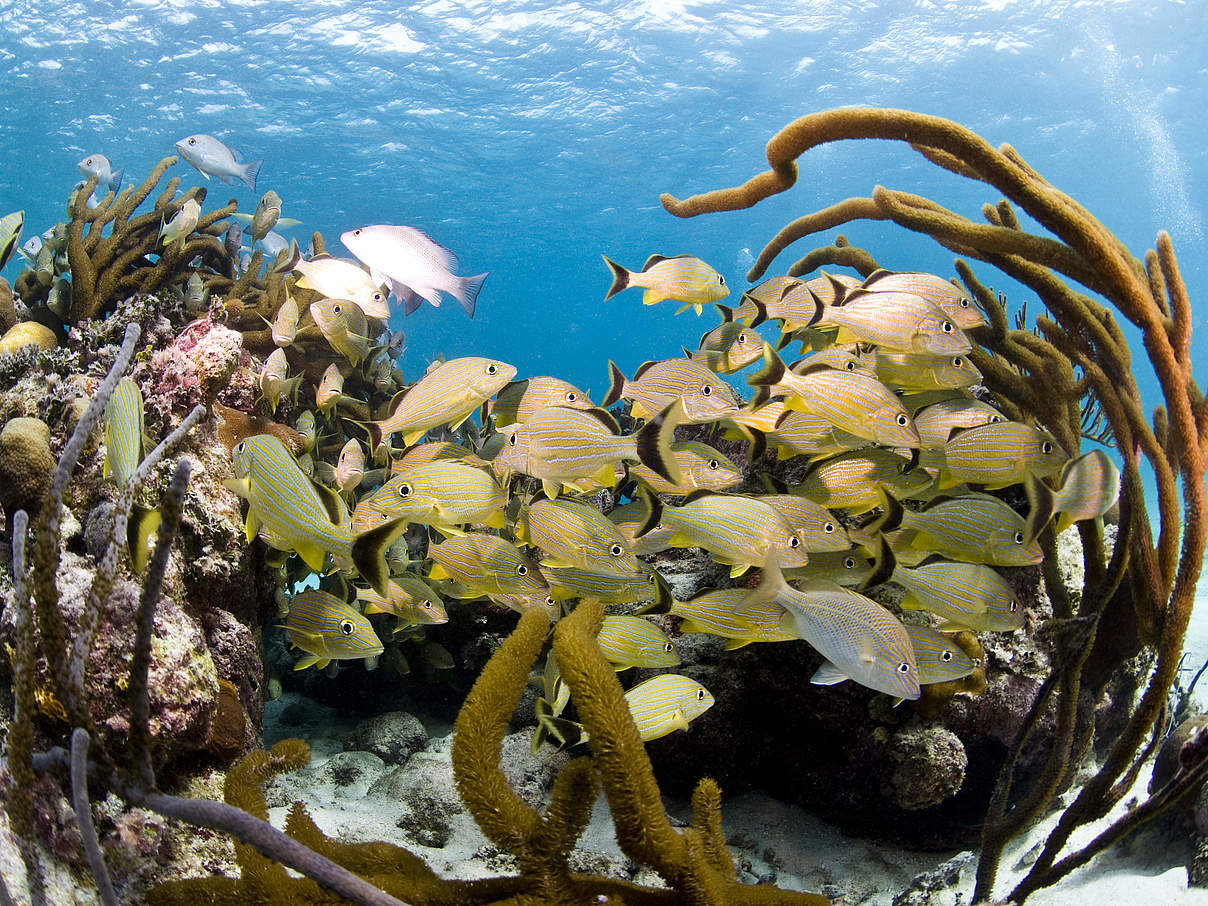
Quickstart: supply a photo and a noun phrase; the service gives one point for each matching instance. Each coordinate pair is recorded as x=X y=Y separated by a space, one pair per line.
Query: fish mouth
x=180 y=147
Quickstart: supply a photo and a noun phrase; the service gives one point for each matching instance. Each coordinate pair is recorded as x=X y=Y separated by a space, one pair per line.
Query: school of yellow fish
x=879 y=404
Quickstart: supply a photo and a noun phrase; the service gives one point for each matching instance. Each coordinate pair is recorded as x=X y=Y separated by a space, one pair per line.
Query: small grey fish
x=212 y=158
x=98 y=165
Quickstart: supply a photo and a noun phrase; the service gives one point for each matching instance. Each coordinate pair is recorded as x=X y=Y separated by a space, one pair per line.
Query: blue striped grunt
x=408 y=597
x=284 y=326
x=729 y=347
x=704 y=396
x=437 y=450
x=851 y=481
x=682 y=278
x=974 y=528
x=520 y=400
x=910 y=372
x=716 y=612
x=896 y=321
x=994 y=455
x=630 y=519
x=443 y=493
x=955 y=302
x=561 y=446
x=481 y=565
x=739 y=532
x=936 y=421
x=123 y=432
x=1087 y=488
x=849 y=568
x=330 y=389
x=628 y=641
x=666 y=703
x=570 y=533
x=343 y=325
x=859 y=638
x=813 y=523
x=852 y=400
x=446 y=395
x=287 y=503
x=571 y=582
x=551 y=606
x=10 y=235
x=700 y=466
x=275 y=381
x=938 y=657
x=328 y=629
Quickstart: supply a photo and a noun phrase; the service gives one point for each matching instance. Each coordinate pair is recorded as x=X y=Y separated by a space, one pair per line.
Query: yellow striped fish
x=682 y=278
x=716 y=612
x=10 y=235
x=852 y=400
x=954 y=301
x=446 y=395
x=995 y=455
x=287 y=503
x=700 y=466
x=974 y=528
x=571 y=582
x=350 y=466
x=481 y=565
x=328 y=629
x=123 y=432
x=520 y=400
x=561 y=446
x=800 y=433
x=704 y=396
x=910 y=372
x=340 y=278
x=850 y=481
x=421 y=453
x=408 y=597
x=813 y=523
x=963 y=595
x=666 y=703
x=284 y=326
x=520 y=603
x=344 y=326
x=849 y=568
x=936 y=421
x=275 y=381
x=570 y=533
x=938 y=657
x=330 y=389
x=795 y=303
x=739 y=532
x=859 y=638
x=896 y=321
x=444 y=493
x=628 y=641
x=729 y=347
x=1087 y=488
x=630 y=519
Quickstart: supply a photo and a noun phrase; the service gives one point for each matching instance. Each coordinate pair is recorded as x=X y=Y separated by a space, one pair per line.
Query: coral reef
x=1139 y=601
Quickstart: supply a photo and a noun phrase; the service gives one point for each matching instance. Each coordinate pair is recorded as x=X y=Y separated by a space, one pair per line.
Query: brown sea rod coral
x=1140 y=601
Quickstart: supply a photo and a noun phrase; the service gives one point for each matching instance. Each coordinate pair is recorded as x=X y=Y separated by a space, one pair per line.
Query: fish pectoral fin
x=828 y=675
x=312 y=555
x=240 y=486
x=738 y=569
x=651 y=296
x=552 y=488
x=678 y=720
x=606 y=476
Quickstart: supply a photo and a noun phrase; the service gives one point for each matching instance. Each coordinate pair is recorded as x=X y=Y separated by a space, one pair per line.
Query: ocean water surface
x=533 y=137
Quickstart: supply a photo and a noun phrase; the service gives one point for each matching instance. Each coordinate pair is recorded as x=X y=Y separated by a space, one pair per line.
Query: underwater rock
x=393 y=737
x=26 y=465
x=8 y=310
x=228 y=735
x=929 y=766
x=424 y=788
x=25 y=333
x=199 y=366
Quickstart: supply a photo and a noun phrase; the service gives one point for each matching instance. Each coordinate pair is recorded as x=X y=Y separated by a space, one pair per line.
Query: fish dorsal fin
x=852 y=296
x=396 y=401
x=603 y=416
x=877 y=275
x=655 y=259
x=816 y=368
x=939 y=500
x=538 y=496
x=761 y=312
x=839 y=291
x=642 y=369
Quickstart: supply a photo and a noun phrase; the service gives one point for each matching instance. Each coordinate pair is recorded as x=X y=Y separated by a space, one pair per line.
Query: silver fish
x=212 y=158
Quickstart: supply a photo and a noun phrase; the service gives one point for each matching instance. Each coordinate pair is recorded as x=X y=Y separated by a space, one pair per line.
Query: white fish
x=213 y=158
x=98 y=165
x=339 y=278
x=413 y=264
x=179 y=227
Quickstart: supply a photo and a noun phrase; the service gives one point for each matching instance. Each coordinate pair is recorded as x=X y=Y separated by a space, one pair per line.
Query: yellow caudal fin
x=142 y=524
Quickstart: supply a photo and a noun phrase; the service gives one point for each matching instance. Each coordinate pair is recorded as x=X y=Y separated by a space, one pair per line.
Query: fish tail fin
x=654 y=442
x=1041 y=505
x=249 y=173
x=616 y=384
x=891 y=518
x=140 y=526
x=727 y=313
x=663 y=601
x=467 y=292
x=620 y=277
x=773 y=369
x=558 y=731
x=369 y=554
x=761 y=312
x=115 y=179
x=653 y=511
x=883 y=565
x=757 y=439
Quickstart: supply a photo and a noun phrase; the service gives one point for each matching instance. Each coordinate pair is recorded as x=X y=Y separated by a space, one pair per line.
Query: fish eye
x=1019 y=537
x=192 y=141
x=239 y=447
x=742 y=338
x=1046 y=447
x=404 y=490
x=713 y=464
x=522 y=570
x=668 y=647
x=512 y=440
x=829 y=528
x=946 y=327
x=721 y=280
x=964 y=303
x=903 y=668
x=88 y=163
x=1014 y=607
x=706 y=390
x=335 y=309
x=491 y=369
x=356 y=232
x=700 y=695
x=549 y=601
x=902 y=420
x=571 y=396
x=946 y=656
x=616 y=550
x=794 y=542
x=377 y=297
x=958 y=362
x=850 y=562
x=346 y=627
x=994 y=420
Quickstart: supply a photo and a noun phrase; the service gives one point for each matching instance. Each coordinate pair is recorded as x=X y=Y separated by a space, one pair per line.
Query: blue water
x=531 y=138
